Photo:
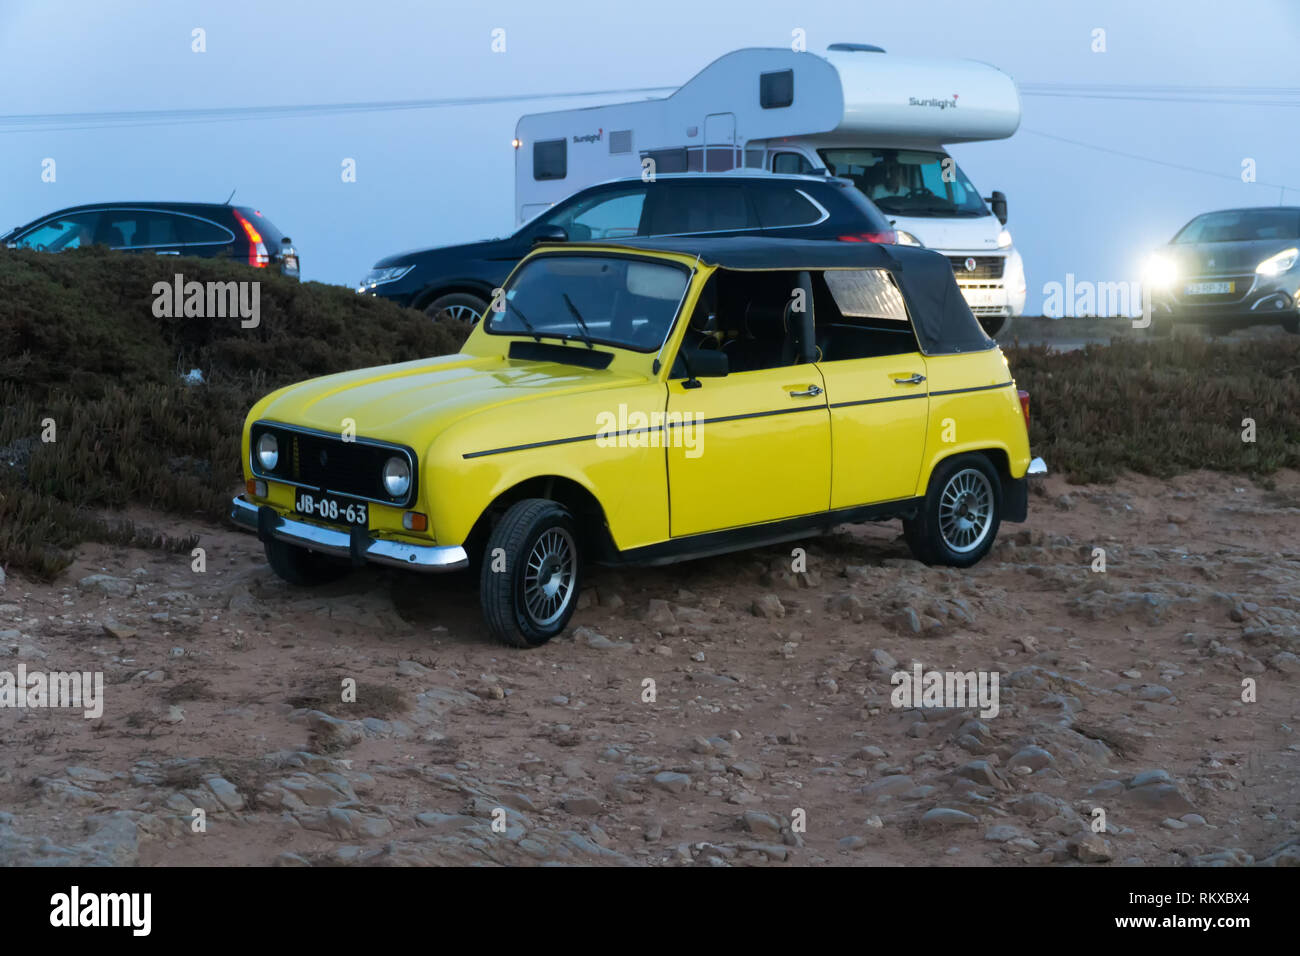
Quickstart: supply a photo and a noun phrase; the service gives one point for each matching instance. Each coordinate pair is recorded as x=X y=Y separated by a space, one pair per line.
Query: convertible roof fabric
x=944 y=323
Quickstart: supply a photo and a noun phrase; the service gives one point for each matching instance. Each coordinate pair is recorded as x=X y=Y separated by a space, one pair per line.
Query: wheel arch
x=475 y=287
x=588 y=513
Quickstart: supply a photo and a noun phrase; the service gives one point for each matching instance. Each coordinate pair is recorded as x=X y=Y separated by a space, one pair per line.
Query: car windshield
x=1238 y=225
x=908 y=182
x=621 y=301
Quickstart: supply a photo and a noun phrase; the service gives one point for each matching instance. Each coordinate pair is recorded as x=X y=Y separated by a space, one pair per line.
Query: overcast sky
x=437 y=176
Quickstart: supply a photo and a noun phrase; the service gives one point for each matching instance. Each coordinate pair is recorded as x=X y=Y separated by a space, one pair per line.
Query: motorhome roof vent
x=856 y=48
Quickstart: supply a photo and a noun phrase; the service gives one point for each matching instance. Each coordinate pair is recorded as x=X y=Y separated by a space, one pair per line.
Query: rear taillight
x=889 y=237
x=257 y=256
x=1024 y=406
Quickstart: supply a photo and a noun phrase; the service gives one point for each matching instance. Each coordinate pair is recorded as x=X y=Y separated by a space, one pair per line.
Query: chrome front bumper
x=267 y=524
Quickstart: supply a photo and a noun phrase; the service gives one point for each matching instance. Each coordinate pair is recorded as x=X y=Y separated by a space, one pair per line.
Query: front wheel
x=460 y=306
x=530 y=573
x=959 y=519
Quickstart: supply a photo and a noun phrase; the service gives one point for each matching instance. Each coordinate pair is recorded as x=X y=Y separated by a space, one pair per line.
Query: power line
x=1148 y=159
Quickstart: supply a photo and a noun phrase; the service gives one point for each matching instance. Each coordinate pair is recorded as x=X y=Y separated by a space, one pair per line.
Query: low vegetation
x=81 y=348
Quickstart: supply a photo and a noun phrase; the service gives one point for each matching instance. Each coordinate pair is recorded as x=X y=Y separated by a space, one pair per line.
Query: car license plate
x=974 y=297
x=1210 y=288
x=333 y=508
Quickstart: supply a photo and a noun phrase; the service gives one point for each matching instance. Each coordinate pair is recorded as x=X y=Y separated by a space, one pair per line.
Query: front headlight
x=1276 y=265
x=1004 y=239
x=907 y=239
x=268 y=451
x=379 y=276
x=397 y=477
x=1160 y=272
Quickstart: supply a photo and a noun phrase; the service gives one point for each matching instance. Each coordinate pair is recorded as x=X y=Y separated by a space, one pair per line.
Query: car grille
x=323 y=462
x=1243 y=286
x=990 y=310
x=986 y=267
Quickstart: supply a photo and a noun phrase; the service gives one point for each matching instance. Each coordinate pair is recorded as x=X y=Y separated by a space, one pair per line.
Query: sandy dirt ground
x=767 y=735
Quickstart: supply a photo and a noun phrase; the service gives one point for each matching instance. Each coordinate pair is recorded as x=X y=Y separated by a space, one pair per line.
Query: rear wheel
x=301 y=567
x=459 y=306
x=530 y=573
x=959 y=519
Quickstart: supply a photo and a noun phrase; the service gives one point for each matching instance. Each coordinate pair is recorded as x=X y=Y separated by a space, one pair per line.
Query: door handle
x=812 y=392
x=914 y=379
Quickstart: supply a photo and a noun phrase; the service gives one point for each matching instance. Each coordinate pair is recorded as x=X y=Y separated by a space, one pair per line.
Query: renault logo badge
x=970 y=264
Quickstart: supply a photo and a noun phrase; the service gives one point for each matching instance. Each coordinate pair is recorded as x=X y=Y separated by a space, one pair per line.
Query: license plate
x=981 y=298
x=1210 y=288
x=331 y=508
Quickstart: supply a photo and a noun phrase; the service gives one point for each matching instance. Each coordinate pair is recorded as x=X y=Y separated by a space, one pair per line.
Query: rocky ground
x=767 y=736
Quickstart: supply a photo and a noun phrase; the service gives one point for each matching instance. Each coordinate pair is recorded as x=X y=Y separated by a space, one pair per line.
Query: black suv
x=458 y=280
x=165 y=228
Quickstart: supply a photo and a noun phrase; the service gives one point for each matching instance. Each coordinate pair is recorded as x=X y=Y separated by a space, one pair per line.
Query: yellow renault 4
x=647 y=402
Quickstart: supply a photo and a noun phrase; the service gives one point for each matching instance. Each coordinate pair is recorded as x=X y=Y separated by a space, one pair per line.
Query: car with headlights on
x=650 y=401
x=1230 y=269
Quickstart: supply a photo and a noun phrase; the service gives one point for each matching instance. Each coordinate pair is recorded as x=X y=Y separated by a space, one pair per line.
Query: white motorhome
x=883 y=121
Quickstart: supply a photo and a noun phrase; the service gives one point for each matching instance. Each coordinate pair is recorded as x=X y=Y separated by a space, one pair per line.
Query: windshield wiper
x=573 y=310
x=523 y=318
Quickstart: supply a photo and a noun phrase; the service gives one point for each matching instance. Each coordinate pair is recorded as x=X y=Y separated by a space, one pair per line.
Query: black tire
x=538 y=542
x=304 y=568
x=457 y=306
x=992 y=324
x=959 y=520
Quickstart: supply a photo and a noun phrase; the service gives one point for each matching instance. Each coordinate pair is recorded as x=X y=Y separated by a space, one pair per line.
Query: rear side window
x=696 y=207
x=782 y=207
x=776 y=90
x=866 y=294
x=200 y=231
x=550 y=159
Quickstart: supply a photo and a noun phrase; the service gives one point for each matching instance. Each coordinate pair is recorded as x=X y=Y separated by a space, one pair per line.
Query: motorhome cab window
x=908 y=182
x=776 y=90
x=550 y=159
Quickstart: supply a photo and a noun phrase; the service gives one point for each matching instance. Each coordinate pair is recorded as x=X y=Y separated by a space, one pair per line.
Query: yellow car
x=650 y=401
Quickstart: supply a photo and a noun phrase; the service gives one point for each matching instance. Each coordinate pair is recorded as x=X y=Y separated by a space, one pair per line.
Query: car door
x=761 y=447
x=876 y=387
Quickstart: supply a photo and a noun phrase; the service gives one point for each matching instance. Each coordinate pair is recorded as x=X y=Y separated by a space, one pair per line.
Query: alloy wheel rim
x=966 y=510
x=461 y=313
x=549 y=574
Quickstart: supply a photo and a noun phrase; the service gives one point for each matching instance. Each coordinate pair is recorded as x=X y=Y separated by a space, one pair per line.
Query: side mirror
x=695 y=364
x=551 y=234
x=998 y=202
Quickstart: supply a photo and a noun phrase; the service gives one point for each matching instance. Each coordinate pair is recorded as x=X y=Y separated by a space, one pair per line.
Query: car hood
x=469 y=250
x=411 y=403
x=977 y=234
x=1224 y=258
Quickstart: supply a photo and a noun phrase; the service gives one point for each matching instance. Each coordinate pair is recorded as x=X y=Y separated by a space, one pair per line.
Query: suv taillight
x=1024 y=406
x=889 y=237
x=257 y=256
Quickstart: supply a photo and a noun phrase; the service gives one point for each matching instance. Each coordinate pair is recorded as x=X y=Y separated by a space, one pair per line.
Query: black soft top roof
x=944 y=323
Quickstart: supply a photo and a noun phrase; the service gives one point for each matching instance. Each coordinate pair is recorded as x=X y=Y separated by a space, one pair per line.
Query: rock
x=581 y=805
x=107 y=584
x=672 y=782
x=122 y=633
x=908 y=621
x=943 y=818
x=982 y=772
x=659 y=614
x=888 y=786
x=593 y=639
x=748 y=770
x=884 y=660
x=411 y=669
x=1035 y=758
x=768 y=606
x=761 y=824
x=1090 y=848
x=1003 y=833
x=331 y=733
